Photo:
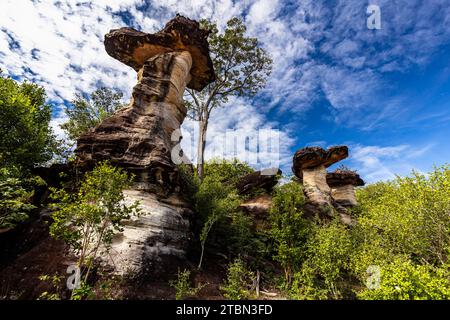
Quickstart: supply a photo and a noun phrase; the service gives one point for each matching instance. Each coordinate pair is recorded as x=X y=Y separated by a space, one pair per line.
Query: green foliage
x=85 y=114
x=409 y=217
x=216 y=198
x=83 y=292
x=14 y=199
x=289 y=230
x=327 y=258
x=55 y=281
x=404 y=229
x=239 y=280
x=88 y=219
x=403 y=280
x=227 y=172
x=183 y=287
x=26 y=138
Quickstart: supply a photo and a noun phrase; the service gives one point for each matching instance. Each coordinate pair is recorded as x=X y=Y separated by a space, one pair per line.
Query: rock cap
x=133 y=47
x=311 y=157
x=258 y=179
x=344 y=177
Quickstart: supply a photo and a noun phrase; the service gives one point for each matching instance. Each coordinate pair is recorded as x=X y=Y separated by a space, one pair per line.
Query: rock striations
x=322 y=189
x=139 y=137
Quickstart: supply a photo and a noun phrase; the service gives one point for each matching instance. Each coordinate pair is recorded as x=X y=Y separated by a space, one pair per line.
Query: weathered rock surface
x=258 y=208
x=343 y=183
x=139 y=137
x=162 y=230
x=309 y=165
x=266 y=179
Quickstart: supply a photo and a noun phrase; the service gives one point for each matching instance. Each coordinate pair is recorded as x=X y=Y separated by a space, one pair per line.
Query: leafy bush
x=182 y=285
x=327 y=259
x=88 y=219
x=14 y=200
x=403 y=280
x=407 y=217
x=239 y=280
x=216 y=198
x=228 y=172
x=404 y=228
x=289 y=230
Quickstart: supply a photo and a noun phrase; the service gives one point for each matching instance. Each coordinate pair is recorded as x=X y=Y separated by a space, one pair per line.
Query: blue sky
x=384 y=93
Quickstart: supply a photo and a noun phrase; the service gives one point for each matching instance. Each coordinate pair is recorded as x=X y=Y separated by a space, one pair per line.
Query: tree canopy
x=26 y=138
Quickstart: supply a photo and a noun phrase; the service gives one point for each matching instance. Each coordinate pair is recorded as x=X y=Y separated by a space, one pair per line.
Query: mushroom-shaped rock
x=309 y=165
x=342 y=184
x=265 y=179
x=180 y=34
x=144 y=136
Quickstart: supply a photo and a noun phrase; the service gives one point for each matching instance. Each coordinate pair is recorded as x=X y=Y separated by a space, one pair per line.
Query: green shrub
x=409 y=216
x=327 y=259
x=88 y=219
x=216 y=198
x=402 y=280
x=289 y=229
x=15 y=199
x=238 y=282
x=182 y=285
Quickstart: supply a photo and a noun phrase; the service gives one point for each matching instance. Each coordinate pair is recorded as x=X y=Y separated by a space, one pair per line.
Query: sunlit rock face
x=315 y=185
x=139 y=139
x=162 y=231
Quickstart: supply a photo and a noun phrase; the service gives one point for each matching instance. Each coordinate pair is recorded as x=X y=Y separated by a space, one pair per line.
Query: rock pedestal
x=309 y=165
x=139 y=138
x=343 y=183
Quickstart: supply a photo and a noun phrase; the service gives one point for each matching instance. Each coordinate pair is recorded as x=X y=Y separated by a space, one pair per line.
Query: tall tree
x=241 y=67
x=86 y=113
x=26 y=138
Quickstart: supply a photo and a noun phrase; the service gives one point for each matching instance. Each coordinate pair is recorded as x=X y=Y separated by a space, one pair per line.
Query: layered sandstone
x=140 y=138
x=309 y=165
x=343 y=183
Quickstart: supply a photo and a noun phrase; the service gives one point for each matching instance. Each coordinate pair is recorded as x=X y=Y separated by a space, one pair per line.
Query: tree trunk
x=203 y=125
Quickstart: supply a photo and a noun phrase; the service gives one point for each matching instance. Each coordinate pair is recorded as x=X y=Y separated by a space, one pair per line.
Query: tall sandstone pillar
x=138 y=139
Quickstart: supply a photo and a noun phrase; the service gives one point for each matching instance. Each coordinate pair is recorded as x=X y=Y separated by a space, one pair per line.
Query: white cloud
x=375 y=163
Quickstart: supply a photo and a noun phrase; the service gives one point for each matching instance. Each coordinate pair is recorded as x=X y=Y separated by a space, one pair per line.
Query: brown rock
x=140 y=139
x=309 y=165
x=312 y=157
x=134 y=48
x=343 y=183
x=258 y=179
x=258 y=208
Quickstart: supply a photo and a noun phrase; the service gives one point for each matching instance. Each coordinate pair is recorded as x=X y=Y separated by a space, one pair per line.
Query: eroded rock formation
x=139 y=136
x=309 y=165
x=265 y=179
x=326 y=190
x=342 y=184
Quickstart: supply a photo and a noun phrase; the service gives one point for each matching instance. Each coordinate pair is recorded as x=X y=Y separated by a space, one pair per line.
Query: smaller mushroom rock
x=258 y=179
x=309 y=165
x=342 y=184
